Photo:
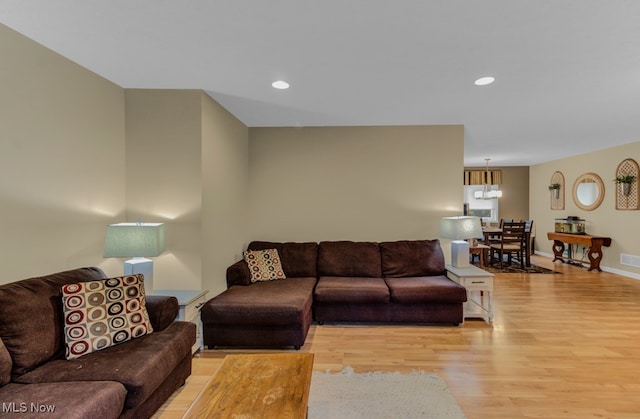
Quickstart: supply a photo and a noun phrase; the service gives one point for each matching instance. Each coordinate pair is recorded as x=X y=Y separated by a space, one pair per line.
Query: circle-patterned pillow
x=99 y=314
x=264 y=265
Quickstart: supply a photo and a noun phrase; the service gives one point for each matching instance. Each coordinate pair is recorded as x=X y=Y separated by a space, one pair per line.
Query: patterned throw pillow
x=264 y=265
x=99 y=314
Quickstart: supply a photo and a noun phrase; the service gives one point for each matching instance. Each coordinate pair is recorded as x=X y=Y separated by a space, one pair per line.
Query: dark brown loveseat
x=333 y=281
x=129 y=380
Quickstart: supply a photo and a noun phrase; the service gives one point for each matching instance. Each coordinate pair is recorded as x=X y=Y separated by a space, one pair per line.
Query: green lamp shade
x=134 y=240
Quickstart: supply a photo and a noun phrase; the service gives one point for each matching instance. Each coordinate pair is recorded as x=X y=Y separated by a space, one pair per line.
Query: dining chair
x=528 y=241
x=495 y=238
x=511 y=243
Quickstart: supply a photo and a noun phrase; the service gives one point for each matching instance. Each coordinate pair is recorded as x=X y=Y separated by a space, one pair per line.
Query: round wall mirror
x=588 y=191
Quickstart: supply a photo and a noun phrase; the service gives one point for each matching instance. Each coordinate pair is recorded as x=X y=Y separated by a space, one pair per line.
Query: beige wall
x=225 y=142
x=78 y=153
x=62 y=161
x=353 y=183
x=187 y=166
x=621 y=226
x=515 y=193
x=164 y=178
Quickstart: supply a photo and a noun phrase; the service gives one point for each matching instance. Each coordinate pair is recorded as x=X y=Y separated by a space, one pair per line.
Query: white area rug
x=380 y=395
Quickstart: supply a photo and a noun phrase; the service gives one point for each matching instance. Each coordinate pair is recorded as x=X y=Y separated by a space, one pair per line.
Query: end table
x=479 y=285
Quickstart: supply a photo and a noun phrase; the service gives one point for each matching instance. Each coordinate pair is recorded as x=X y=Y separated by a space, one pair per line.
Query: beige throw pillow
x=264 y=265
x=99 y=314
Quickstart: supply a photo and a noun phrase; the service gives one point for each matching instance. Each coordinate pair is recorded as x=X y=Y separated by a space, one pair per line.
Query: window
x=487 y=209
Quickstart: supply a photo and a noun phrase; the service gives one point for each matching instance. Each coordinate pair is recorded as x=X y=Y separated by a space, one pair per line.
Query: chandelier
x=488 y=191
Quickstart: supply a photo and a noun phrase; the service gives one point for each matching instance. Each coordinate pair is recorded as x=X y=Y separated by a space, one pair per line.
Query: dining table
x=495 y=232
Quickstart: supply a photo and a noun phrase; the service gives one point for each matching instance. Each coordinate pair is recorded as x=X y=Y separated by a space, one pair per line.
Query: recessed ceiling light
x=280 y=84
x=483 y=81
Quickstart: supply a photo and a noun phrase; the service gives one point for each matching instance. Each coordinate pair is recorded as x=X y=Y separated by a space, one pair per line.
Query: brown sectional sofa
x=333 y=281
x=129 y=380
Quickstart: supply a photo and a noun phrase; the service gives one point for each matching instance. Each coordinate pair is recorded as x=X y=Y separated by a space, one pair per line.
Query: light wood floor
x=561 y=346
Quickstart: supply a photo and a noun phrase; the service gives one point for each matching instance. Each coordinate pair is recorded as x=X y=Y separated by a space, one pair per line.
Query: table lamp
x=458 y=229
x=138 y=241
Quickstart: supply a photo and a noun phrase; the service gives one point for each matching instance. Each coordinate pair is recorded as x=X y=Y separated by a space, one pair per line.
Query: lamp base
x=142 y=266
x=460 y=254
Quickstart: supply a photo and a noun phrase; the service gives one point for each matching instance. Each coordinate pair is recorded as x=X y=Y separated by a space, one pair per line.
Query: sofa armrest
x=6 y=364
x=162 y=310
x=238 y=274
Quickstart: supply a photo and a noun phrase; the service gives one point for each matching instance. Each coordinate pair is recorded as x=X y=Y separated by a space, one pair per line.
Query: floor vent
x=630 y=260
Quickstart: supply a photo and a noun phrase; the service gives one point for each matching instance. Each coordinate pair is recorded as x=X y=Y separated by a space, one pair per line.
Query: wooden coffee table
x=257 y=386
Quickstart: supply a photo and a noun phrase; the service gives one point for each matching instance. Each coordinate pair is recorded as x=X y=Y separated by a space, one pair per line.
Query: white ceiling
x=567 y=71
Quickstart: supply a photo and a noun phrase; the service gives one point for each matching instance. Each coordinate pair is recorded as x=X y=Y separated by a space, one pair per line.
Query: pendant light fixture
x=489 y=191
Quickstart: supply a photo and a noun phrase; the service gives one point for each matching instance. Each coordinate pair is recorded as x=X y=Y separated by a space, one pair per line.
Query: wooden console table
x=594 y=243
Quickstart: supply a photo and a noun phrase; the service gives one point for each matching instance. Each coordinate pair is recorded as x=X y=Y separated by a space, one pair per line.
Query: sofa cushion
x=141 y=365
x=298 y=260
x=99 y=314
x=5 y=365
x=347 y=258
x=351 y=290
x=31 y=320
x=264 y=265
x=412 y=258
x=70 y=400
x=263 y=303
x=426 y=289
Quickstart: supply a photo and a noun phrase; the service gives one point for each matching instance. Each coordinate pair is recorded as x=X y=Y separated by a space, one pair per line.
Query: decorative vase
x=555 y=193
x=625 y=188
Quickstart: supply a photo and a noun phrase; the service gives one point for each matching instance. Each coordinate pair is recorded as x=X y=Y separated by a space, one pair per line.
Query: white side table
x=479 y=285
x=190 y=304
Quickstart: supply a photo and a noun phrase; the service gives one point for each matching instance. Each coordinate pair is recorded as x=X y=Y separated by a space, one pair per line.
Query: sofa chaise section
x=269 y=314
x=275 y=313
